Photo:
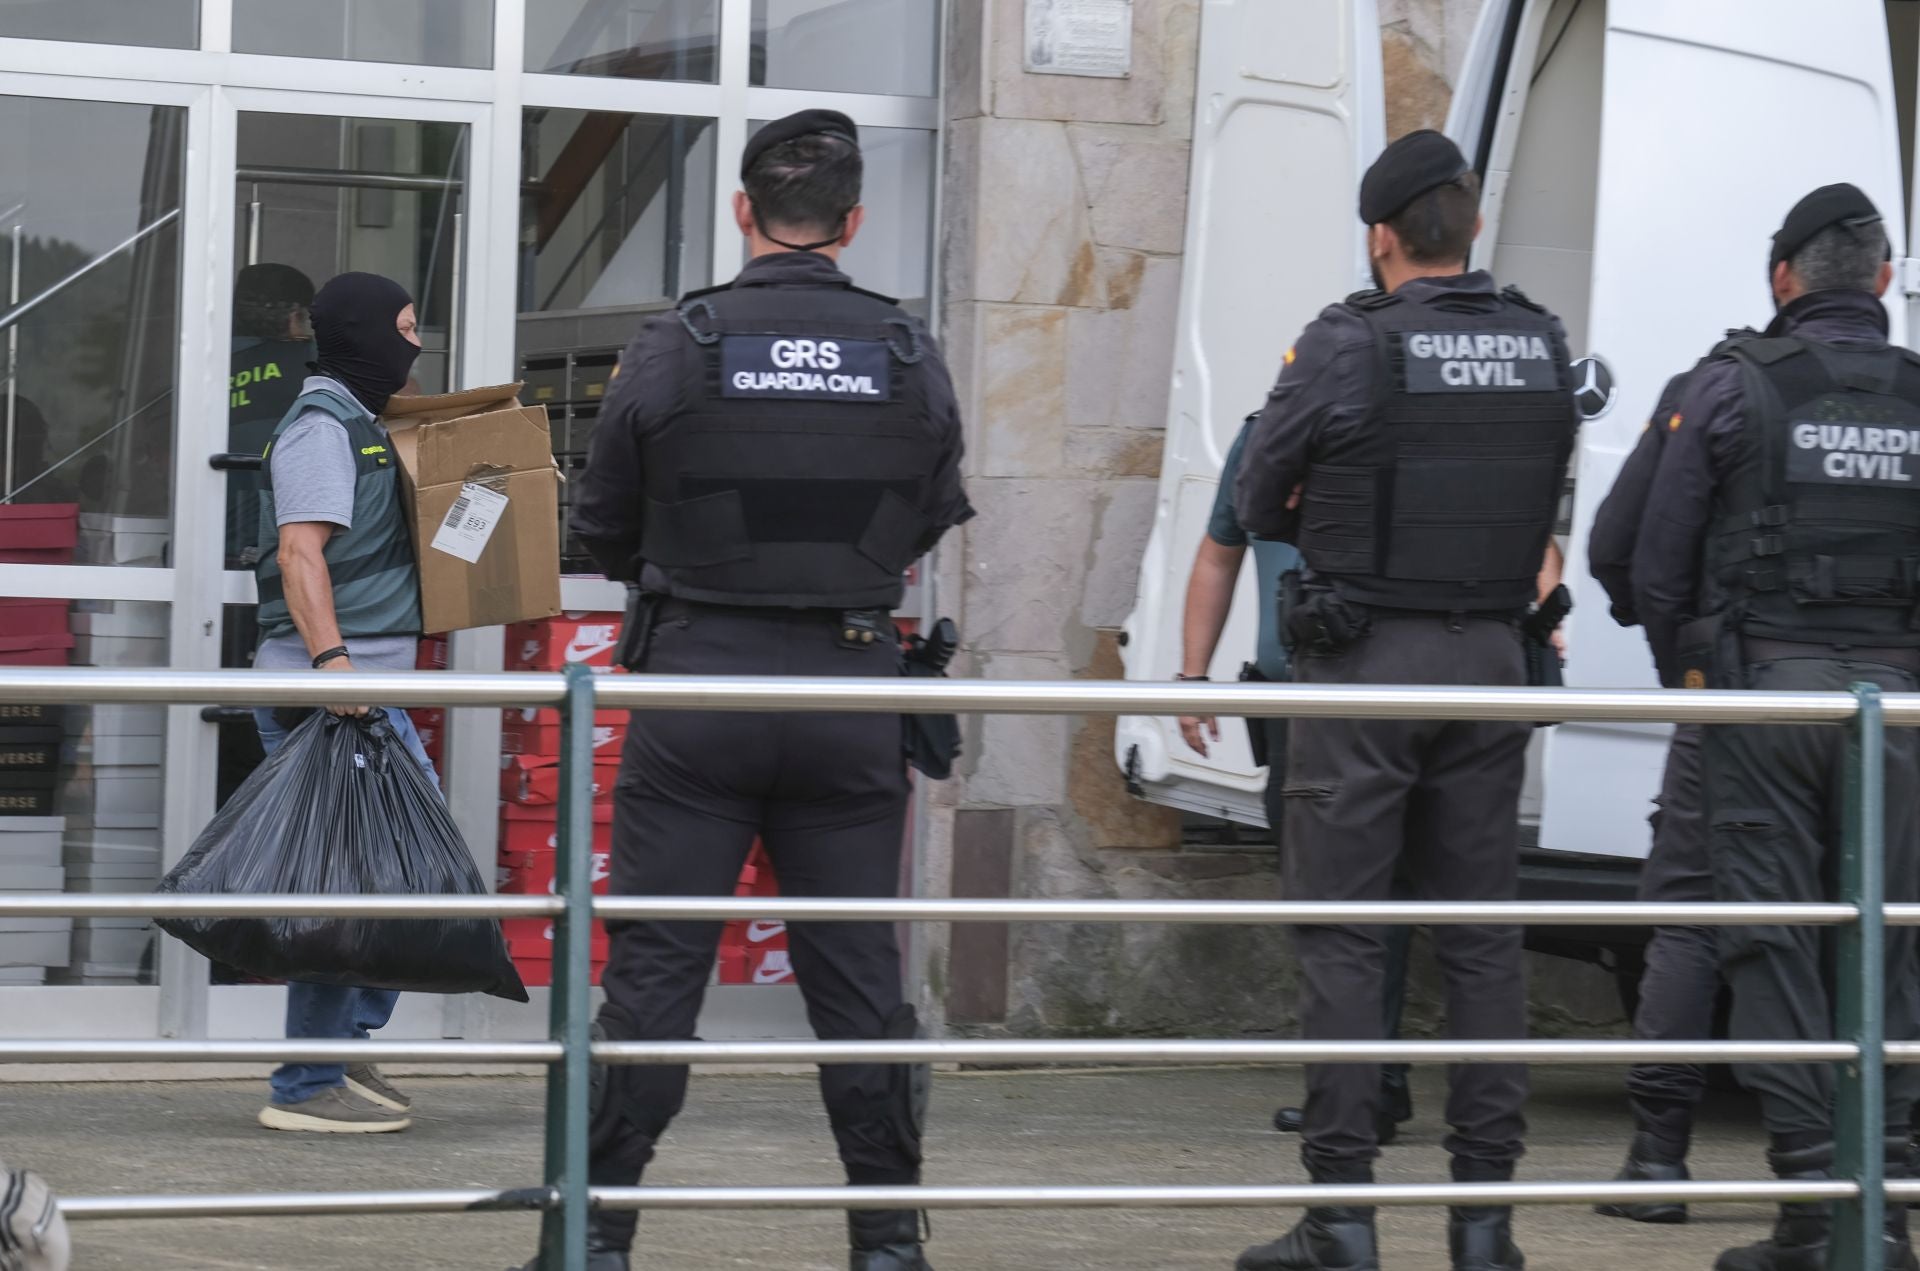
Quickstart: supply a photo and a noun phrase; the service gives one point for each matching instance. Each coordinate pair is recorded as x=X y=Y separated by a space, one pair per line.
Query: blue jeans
x=333 y=1010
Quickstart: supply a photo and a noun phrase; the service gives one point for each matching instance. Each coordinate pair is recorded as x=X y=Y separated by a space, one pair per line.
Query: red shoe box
x=431 y=724
x=754 y=950
x=543 y=741
x=549 y=644
x=532 y=873
x=538 y=972
x=533 y=780
x=39 y=533
x=432 y=655
x=533 y=938
x=527 y=829
x=34 y=617
x=41 y=650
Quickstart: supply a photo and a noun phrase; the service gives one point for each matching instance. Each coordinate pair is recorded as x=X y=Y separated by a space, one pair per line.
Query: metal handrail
x=1859 y=1053
x=755 y=693
x=808 y=909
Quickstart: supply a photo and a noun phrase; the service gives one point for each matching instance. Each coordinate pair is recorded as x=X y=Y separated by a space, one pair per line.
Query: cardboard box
x=552 y=644
x=29 y=803
x=107 y=749
x=484 y=500
x=533 y=938
x=532 y=873
x=36 y=715
x=106 y=539
x=534 y=972
x=117 y=720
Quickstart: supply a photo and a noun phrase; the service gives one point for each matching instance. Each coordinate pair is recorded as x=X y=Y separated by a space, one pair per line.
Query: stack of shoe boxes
x=530 y=781
x=113 y=799
x=30 y=842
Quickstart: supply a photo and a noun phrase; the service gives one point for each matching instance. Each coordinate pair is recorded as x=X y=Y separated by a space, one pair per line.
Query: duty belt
x=1761 y=649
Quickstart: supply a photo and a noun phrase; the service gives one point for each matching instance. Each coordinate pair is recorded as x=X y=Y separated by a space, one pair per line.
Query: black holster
x=1256 y=726
x=1319 y=623
x=930 y=742
x=637 y=633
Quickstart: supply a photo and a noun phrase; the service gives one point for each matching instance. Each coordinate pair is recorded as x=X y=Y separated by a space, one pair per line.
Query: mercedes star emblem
x=1593 y=386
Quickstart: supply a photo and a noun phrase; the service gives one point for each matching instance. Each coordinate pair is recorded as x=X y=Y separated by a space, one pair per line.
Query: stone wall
x=1064 y=215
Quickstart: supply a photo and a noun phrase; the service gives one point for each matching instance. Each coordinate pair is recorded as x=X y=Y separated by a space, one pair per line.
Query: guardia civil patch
x=795 y=368
x=1478 y=362
x=1825 y=453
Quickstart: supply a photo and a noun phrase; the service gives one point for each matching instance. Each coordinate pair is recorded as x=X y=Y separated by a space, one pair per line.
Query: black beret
x=1418 y=162
x=1829 y=205
x=805 y=123
x=272 y=284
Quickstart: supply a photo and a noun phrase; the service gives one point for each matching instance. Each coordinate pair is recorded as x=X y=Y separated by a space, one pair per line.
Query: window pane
x=618 y=219
x=160 y=24
x=81 y=791
x=420 y=32
x=86 y=426
x=319 y=195
x=845 y=46
x=893 y=252
x=631 y=39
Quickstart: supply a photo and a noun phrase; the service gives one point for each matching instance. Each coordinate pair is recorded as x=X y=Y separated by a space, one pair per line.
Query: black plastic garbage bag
x=342 y=808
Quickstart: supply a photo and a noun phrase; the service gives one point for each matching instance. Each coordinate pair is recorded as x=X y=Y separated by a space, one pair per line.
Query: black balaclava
x=354 y=329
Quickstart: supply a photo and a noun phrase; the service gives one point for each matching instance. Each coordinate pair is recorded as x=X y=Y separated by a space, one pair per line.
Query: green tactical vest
x=376 y=583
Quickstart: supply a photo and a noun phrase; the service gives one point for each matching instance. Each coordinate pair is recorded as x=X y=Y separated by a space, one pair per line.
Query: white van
x=1637 y=156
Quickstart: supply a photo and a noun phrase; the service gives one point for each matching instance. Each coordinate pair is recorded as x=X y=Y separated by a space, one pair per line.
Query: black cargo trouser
x=1399 y=938
x=1682 y=976
x=1776 y=802
x=827 y=795
x=1439 y=801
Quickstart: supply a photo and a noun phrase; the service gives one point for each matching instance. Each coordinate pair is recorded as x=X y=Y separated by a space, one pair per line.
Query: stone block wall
x=1064 y=220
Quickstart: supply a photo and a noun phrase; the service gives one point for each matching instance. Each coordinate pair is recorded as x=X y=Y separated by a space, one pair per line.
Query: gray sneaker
x=371 y=1084
x=335 y=1110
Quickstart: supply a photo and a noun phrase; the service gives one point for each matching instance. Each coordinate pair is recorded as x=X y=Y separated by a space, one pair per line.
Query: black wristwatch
x=327 y=655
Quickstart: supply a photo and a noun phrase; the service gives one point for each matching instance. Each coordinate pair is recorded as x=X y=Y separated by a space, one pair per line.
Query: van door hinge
x=1909 y=276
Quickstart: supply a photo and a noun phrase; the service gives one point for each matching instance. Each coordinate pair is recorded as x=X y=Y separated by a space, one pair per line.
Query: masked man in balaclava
x=340 y=593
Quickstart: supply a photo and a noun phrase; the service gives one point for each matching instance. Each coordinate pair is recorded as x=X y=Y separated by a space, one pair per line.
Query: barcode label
x=470 y=522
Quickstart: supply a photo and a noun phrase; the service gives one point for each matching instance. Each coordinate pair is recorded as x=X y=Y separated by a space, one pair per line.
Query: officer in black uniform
x=1682 y=976
x=1780 y=550
x=1414 y=449
x=775 y=453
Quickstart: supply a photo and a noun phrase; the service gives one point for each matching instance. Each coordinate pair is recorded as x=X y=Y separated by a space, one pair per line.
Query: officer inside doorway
x=775 y=453
x=1779 y=552
x=1413 y=448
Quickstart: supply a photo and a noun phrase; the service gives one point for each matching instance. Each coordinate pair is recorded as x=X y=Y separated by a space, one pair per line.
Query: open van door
x=1638 y=155
x=1288 y=112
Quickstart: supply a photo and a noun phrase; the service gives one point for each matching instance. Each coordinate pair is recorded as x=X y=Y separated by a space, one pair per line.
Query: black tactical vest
x=796 y=471
x=1443 y=499
x=1816 y=535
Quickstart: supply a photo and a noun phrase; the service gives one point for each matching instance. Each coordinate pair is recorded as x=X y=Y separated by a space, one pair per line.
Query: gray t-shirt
x=313 y=481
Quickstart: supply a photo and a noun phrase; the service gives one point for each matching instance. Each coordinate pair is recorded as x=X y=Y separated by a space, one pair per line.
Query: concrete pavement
x=1185 y=1127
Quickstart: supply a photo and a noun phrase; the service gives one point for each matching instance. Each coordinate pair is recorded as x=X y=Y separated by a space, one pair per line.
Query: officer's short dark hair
x=807 y=184
x=1842 y=257
x=1437 y=227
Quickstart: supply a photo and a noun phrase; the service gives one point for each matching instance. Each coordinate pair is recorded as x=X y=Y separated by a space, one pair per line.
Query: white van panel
x=1288 y=112
x=1717 y=116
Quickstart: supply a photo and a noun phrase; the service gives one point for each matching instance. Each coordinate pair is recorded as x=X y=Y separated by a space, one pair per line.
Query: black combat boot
x=1327 y=1239
x=602 y=1255
x=1480 y=1237
x=1651 y=1159
x=1801 y=1232
x=885 y=1240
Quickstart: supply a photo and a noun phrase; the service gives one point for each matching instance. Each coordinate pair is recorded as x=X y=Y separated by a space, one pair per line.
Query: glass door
x=98 y=377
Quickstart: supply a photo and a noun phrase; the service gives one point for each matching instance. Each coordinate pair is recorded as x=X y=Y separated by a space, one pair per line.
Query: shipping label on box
x=484 y=500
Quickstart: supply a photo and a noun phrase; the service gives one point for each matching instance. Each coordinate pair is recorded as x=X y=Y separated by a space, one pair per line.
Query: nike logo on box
x=590 y=641
x=760 y=929
x=774 y=968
